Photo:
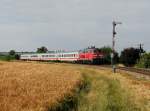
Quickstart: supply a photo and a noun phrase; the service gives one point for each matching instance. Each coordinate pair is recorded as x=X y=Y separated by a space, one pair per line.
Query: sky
x=26 y=25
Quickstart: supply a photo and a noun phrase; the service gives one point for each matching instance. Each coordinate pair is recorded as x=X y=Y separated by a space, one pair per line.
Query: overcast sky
x=73 y=24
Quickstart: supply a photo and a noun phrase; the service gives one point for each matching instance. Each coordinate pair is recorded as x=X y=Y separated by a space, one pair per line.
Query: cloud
x=72 y=24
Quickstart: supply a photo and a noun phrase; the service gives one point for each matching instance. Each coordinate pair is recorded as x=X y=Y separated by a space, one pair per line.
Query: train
x=86 y=56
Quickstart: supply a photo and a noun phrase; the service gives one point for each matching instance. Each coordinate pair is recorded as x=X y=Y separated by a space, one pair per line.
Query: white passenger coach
x=62 y=56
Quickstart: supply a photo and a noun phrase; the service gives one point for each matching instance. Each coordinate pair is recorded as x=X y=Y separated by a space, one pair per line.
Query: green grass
x=105 y=94
x=7 y=57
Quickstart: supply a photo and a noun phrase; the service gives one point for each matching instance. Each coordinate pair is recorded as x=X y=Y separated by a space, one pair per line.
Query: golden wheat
x=34 y=87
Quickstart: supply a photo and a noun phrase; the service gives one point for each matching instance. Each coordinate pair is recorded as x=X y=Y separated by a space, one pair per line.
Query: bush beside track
x=7 y=57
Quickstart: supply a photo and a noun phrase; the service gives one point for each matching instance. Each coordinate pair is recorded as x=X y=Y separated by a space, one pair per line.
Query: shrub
x=144 y=61
x=12 y=52
x=106 y=50
x=129 y=56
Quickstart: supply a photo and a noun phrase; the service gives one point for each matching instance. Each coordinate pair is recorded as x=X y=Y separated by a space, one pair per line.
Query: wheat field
x=32 y=86
x=35 y=87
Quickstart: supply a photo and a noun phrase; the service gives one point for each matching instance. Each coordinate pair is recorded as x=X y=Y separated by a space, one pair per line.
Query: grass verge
x=105 y=93
x=7 y=57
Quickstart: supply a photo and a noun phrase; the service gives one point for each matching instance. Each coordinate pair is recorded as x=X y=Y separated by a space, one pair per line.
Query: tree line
x=129 y=57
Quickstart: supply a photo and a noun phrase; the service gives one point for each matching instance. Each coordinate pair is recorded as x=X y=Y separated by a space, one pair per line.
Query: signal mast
x=113 y=45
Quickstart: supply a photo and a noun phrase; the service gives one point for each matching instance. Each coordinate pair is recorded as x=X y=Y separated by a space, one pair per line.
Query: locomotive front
x=91 y=56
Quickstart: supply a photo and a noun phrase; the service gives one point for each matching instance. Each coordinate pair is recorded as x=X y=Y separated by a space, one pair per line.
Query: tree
x=12 y=52
x=144 y=61
x=106 y=50
x=42 y=50
x=129 y=56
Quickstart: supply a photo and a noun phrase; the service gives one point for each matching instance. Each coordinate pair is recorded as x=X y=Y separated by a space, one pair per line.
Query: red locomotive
x=90 y=55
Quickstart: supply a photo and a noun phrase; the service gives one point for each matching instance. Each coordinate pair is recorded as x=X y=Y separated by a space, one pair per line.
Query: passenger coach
x=63 y=56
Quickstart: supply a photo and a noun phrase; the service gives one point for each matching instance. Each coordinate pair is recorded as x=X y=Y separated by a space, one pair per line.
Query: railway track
x=136 y=70
x=129 y=69
x=132 y=69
